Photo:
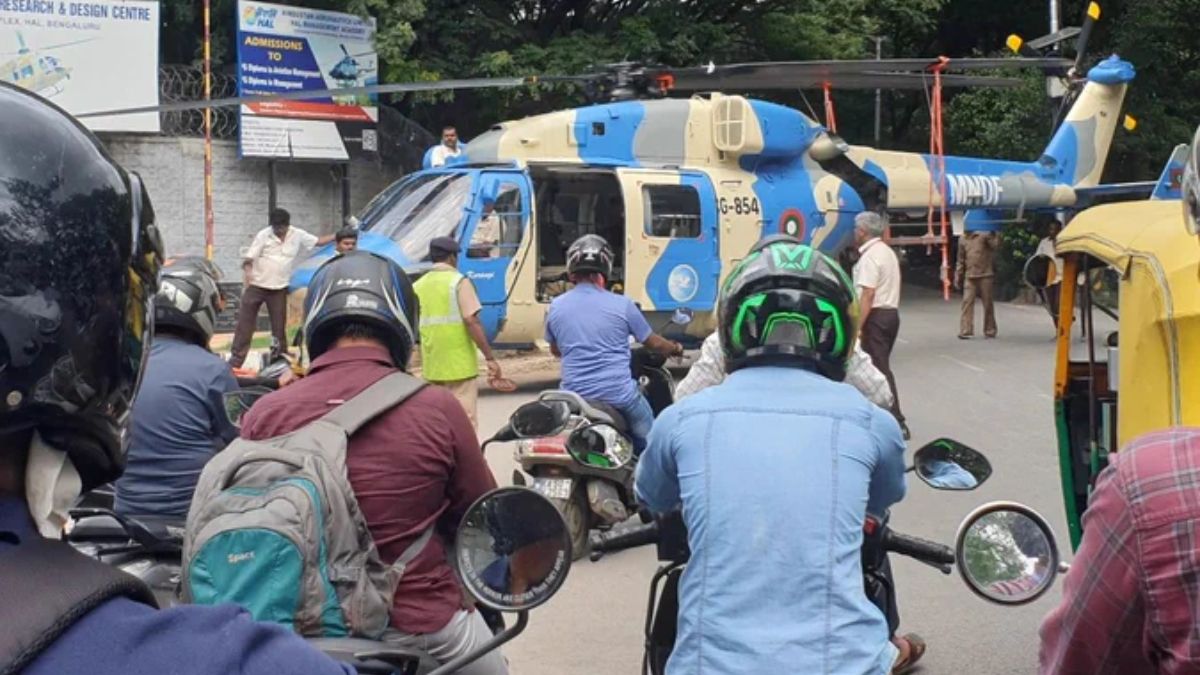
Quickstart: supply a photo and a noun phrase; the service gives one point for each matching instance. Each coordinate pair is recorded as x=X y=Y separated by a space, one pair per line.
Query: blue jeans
x=639 y=416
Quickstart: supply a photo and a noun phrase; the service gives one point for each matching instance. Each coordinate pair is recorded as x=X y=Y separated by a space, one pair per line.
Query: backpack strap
x=411 y=552
x=45 y=587
x=385 y=394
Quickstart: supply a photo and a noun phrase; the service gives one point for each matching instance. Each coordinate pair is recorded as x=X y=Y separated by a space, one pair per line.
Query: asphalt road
x=994 y=395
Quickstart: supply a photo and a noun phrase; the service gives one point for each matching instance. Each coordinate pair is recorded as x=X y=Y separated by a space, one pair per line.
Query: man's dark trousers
x=252 y=300
x=878 y=337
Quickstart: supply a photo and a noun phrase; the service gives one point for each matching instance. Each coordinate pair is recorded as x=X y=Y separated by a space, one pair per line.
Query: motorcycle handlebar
x=638 y=535
x=929 y=552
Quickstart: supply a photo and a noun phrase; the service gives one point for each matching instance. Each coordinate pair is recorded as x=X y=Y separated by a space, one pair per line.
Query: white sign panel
x=85 y=56
x=288 y=49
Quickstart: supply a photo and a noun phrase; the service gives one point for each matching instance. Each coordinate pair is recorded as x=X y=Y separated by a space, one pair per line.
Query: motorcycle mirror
x=513 y=549
x=240 y=401
x=682 y=316
x=540 y=418
x=505 y=434
x=600 y=446
x=1006 y=553
x=1039 y=271
x=946 y=464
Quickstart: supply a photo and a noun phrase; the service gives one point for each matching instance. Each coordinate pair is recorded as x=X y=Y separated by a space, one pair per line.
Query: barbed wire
x=178 y=83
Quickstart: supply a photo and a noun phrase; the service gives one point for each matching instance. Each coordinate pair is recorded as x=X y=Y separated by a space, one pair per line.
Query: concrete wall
x=173 y=171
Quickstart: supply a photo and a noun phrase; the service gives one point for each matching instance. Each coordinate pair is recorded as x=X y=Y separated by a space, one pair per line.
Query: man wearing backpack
x=414 y=468
x=79 y=259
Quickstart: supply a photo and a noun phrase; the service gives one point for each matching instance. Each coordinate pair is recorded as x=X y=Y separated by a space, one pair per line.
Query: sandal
x=906 y=662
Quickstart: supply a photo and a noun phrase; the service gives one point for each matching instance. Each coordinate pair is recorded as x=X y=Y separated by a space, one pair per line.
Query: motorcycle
x=512 y=552
x=560 y=424
x=943 y=464
x=150 y=549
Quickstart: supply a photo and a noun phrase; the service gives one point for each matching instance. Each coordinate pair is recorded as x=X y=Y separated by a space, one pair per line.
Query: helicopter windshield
x=415 y=211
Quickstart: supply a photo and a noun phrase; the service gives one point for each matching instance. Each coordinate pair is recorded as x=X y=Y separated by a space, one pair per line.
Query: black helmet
x=188 y=299
x=788 y=304
x=590 y=253
x=1190 y=187
x=79 y=261
x=363 y=287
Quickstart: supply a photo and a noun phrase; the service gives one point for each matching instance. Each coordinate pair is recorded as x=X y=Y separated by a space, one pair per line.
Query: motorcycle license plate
x=554 y=488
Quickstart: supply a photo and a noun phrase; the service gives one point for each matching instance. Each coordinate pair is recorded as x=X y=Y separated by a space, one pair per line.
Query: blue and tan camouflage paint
x=758 y=167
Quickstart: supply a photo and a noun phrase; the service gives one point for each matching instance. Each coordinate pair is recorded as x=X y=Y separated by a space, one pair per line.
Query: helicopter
x=681 y=188
x=35 y=70
x=347 y=71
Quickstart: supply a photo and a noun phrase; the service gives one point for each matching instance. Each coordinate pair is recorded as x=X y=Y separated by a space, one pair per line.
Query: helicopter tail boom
x=1077 y=152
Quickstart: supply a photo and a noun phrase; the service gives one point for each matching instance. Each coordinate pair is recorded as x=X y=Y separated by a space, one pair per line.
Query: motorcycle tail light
x=549 y=446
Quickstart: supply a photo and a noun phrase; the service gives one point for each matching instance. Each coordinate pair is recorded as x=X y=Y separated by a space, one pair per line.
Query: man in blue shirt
x=775 y=470
x=589 y=328
x=179 y=419
x=79 y=262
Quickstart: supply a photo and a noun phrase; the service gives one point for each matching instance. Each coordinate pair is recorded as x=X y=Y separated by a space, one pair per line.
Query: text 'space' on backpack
x=274 y=527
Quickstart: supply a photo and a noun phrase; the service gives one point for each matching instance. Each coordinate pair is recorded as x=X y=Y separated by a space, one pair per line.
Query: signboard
x=288 y=49
x=85 y=56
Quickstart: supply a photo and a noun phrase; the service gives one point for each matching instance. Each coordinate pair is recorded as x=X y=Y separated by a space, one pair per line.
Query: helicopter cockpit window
x=499 y=230
x=426 y=207
x=672 y=211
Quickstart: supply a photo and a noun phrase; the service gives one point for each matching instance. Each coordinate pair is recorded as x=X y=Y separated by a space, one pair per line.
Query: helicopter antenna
x=812 y=112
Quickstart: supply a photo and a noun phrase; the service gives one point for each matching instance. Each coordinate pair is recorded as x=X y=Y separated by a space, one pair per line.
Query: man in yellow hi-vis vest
x=450 y=327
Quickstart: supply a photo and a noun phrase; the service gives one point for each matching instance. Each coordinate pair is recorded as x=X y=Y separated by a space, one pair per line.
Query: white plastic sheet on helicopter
x=85 y=56
x=284 y=49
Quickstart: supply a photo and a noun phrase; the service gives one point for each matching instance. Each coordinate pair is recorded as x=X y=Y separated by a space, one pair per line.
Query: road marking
x=901 y=340
x=964 y=364
x=1048 y=397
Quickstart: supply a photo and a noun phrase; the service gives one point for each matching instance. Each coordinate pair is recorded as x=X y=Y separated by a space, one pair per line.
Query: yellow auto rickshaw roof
x=1152 y=230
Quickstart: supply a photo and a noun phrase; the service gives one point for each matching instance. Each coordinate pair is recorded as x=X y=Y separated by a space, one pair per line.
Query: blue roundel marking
x=683 y=283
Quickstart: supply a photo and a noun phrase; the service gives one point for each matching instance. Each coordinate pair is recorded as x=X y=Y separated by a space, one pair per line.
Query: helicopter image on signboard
x=36 y=69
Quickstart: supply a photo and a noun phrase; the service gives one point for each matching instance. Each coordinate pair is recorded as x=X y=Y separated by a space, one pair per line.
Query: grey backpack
x=274 y=527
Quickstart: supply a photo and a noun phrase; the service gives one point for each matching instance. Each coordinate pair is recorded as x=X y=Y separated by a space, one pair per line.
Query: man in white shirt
x=448 y=148
x=266 y=269
x=1054 y=281
x=877 y=278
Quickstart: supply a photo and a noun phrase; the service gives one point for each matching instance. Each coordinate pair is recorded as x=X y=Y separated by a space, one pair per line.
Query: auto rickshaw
x=1137 y=367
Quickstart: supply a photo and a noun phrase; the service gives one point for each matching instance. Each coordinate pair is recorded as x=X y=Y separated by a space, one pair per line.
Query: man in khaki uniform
x=450 y=328
x=976 y=265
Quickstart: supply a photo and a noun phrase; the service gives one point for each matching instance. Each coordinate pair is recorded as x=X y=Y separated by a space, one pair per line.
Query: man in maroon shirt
x=1130 y=602
x=416 y=465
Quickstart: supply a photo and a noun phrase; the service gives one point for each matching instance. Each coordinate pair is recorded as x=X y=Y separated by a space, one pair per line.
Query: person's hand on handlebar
x=659 y=344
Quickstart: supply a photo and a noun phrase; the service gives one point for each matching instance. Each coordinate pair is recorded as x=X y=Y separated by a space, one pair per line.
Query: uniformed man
x=450 y=327
x=977 y=266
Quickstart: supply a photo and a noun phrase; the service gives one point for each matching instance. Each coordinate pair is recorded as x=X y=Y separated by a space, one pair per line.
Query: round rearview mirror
x=946 y=464
x=240 y=401
x=600 y=446
x=513 y=549
x=1039 y=271
x=682 y=316
x=540 y=418
x=1006 y=553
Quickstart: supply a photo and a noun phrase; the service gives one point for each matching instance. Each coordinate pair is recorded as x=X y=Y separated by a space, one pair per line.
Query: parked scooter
x=943 y=464
x=513 y=553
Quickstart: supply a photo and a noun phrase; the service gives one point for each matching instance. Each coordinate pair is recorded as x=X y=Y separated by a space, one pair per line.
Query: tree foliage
x=443 y=39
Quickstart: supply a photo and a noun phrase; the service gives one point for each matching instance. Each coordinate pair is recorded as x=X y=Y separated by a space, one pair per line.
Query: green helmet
x=788 y=304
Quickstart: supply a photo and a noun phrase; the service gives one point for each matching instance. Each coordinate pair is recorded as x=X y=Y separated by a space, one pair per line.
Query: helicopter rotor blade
x=1022 y=48
x=61 y=45
x=344 y=49
x=399 y=88
x=1085 y=33
x=1054 y=38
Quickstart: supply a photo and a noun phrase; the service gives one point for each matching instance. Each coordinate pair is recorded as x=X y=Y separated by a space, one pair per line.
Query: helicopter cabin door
x=671 y=254
x=496 y=221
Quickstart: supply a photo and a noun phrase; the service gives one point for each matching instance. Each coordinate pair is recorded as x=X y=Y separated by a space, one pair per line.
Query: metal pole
x=271 y=187
x=1053 y=16
x=345 y=194
x=209 y=234
x=878 y=106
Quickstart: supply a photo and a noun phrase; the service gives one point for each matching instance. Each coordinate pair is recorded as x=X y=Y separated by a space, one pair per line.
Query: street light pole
x=878 y=95
x=1053 y=16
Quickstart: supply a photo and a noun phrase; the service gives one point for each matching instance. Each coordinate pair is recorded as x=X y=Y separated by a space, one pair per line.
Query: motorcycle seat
x=606 y=414
x=107 y=527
